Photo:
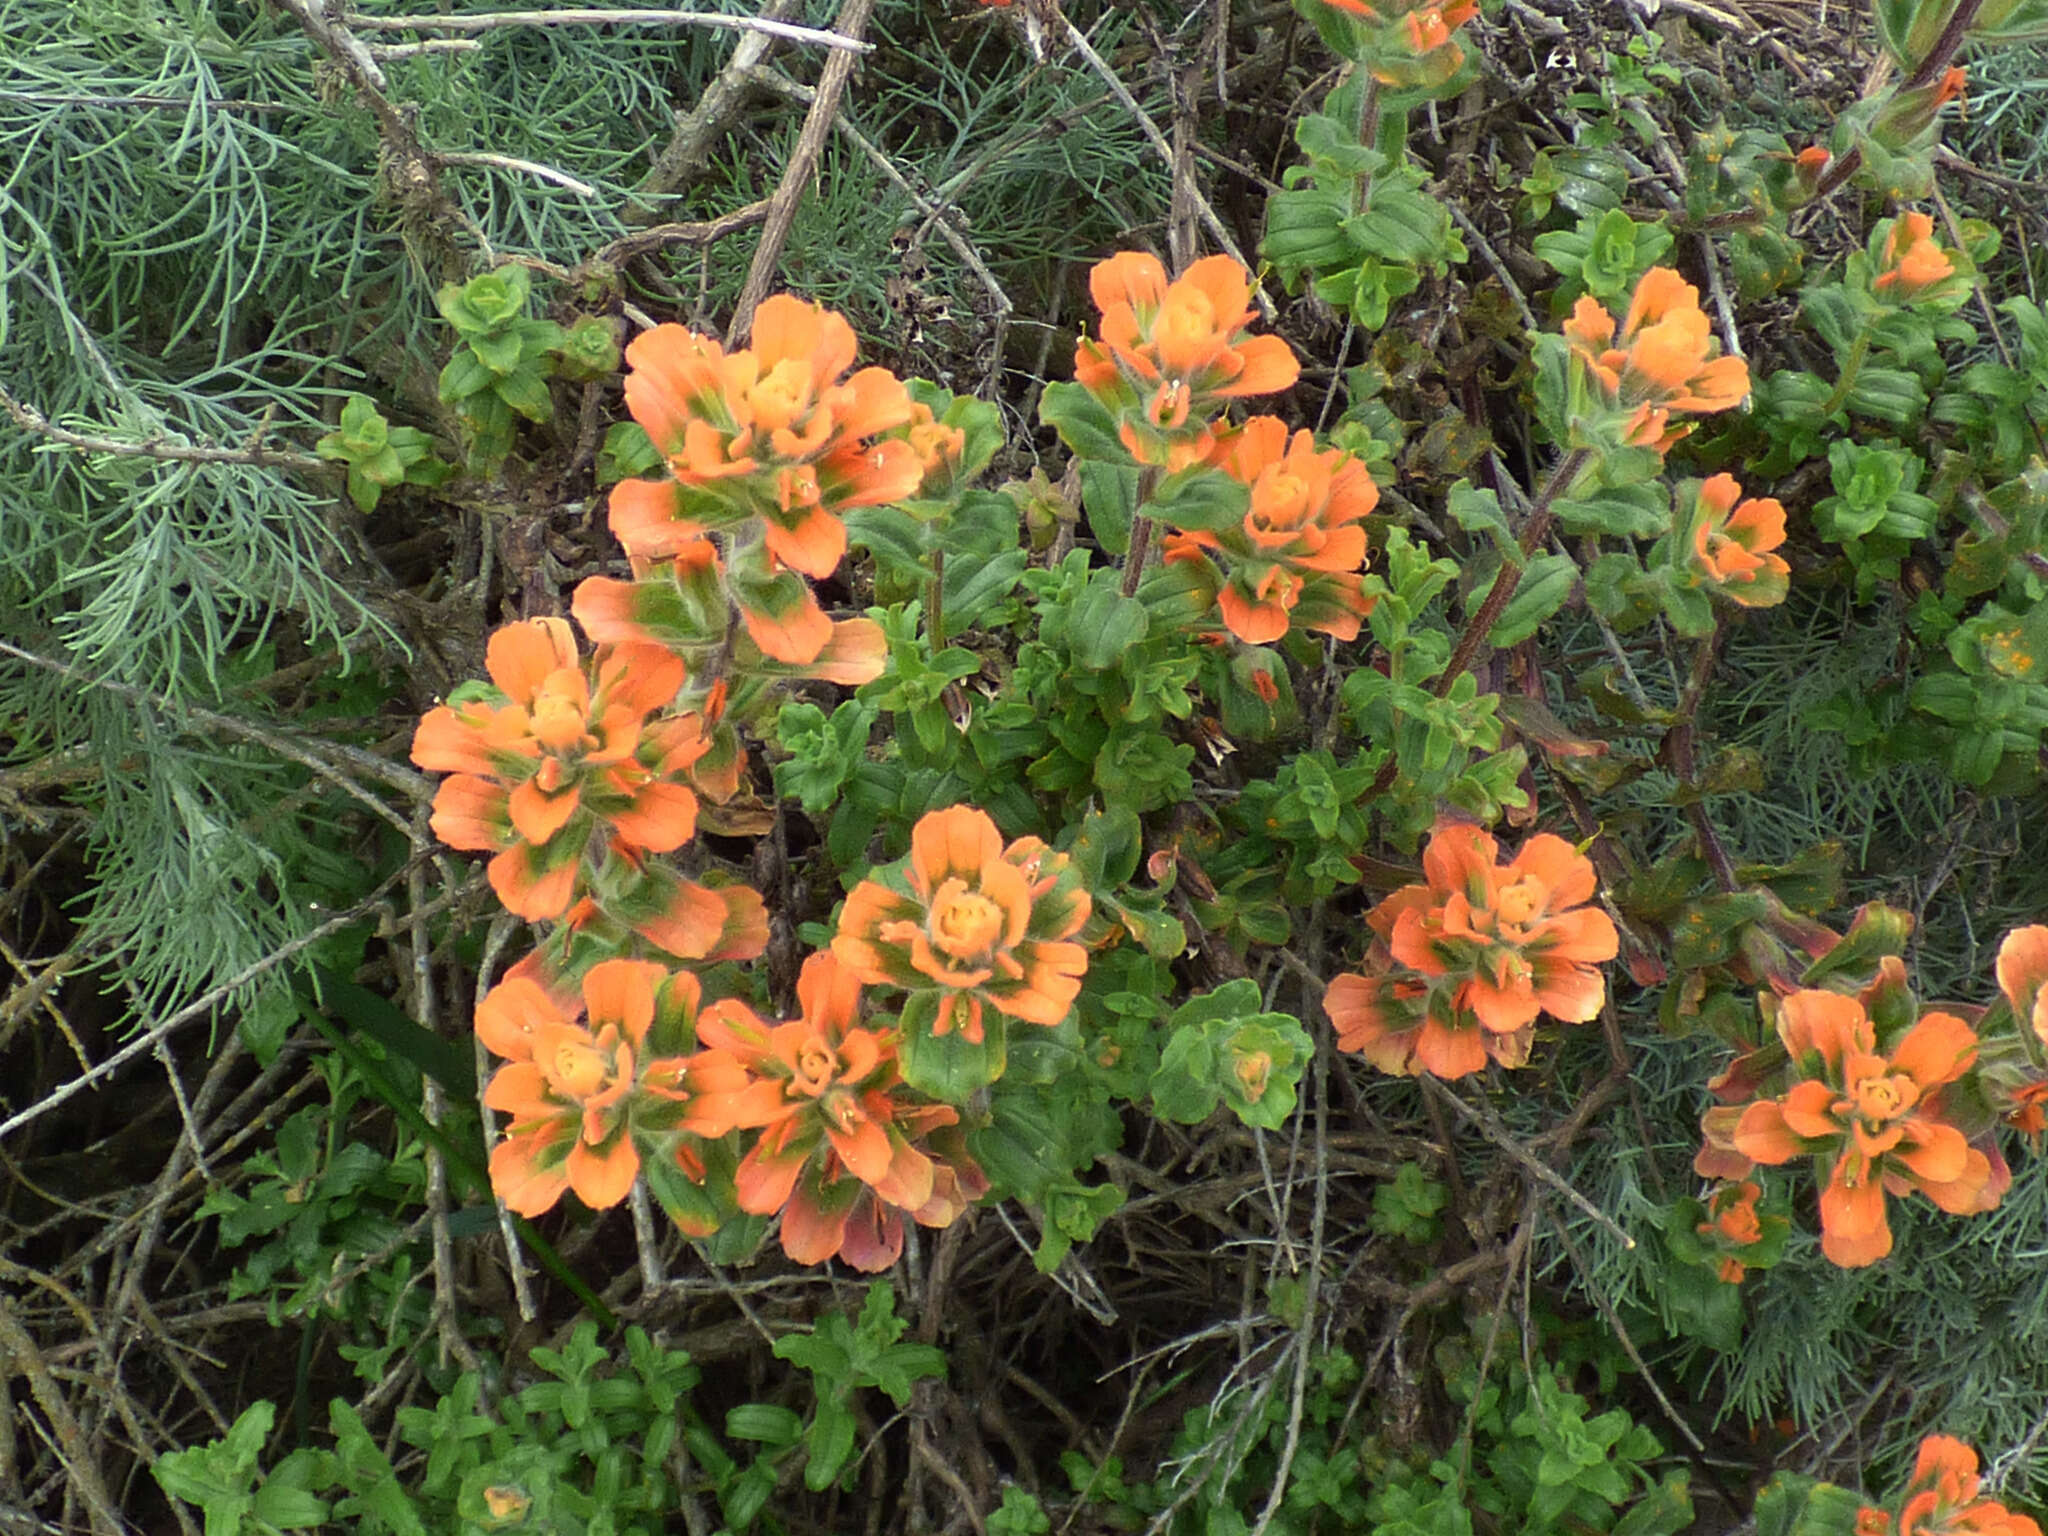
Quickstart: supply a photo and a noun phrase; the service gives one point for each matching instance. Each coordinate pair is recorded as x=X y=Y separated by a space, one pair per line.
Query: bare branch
x=514 y=163
x=810 y=143
x=489 y=20
x=29 y=419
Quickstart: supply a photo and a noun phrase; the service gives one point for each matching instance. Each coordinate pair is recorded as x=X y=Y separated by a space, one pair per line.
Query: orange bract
x=839 y=1153
x=1169 y=352
x=1912 y=263
x=1411 y=43
x=1732 y=1222
x=2023 y=977
x=1732 y=544
x=549 y=752
x=1297 y=553
x=1941 y=1499
x=1482 y=949
x=972 y=920
x=1870 y=1113
x=1662 y=361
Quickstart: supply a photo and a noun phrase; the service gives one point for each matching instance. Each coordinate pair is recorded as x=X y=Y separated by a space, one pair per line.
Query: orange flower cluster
x=1732 y=1226
x=1941 y=1500
x=1875 y=1116
x=1662 y=361
x=1296 y=556
x=1481 y=949
x=1733 y=542
x=577 y=1071
x=972 y=924
x=1169 y=352
x=765 y=447
x=1910 y=266
x=1410 y=44
x=2021 y=1081
x=844 y=1152
x=550 y=753
x=599 y=1082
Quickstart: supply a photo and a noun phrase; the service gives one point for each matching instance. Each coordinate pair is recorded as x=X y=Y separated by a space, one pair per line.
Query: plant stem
x=1677 y=754
x=935 y=625
x=1141 y=530
x=1367 y=133
x=1843 y=166
x=1534 y=532
x=1859 y=351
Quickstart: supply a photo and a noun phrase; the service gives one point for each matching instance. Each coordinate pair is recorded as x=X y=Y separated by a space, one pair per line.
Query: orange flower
x=1870 y=1113
x=835 y=1125
x=574 y=1088
x=2023 y=977
x=775 y=431
x=1941 y=1498
x=1732 y=1223
x=1516 y=939
x=938 y=447
x=1410 y=44
x=547 y=754
x=1402 y=1027
x=1297 y=553
x=1168 y=353
x=1664 y=362
x=1483 y=949
x=2026 y=1110
x=973 y=921
x=1732 y=544
x=1910 y=263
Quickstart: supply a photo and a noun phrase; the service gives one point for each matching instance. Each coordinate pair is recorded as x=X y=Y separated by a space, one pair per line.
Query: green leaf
x=1083 y=423
x=1105 y=624
x=527 y=393
x=451 y=1065
x=1793 y=1505
x=465 y=375
x=1478 y=511
x=288 y=1508
x=628 y=451
x=830 y=1443
x=1640 y=511
x=1544 y=588
x=1109 y=493
x=949 y=1067
x=765 y=1423
x=1200 y=498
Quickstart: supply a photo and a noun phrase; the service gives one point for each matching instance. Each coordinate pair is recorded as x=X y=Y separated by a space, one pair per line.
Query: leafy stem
x=1141 y=530
x=1534 y=532
x=1678 y=755
x=1859 y=351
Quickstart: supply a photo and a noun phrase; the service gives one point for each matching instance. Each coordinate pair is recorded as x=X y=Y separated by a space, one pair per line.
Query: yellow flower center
x=578 y=1071
x=558 y=722
x=1520 y=900
x=1252 y=1069
x=1187 y=316
x=1882 y=1099
x=1281 y=501
x=965 y=924
x=780 y=396
x=505 y=1503
x=816 y=1065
